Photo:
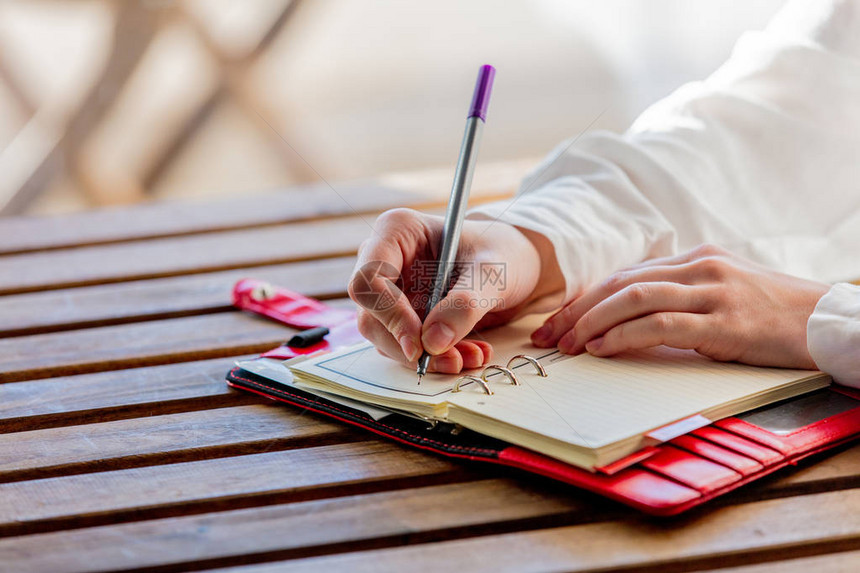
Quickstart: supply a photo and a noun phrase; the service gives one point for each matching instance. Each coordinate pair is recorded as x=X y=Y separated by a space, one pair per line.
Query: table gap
x=561 y=519
x=343 y=436
x=141 y=410
x=137 y=362
x=209 y=505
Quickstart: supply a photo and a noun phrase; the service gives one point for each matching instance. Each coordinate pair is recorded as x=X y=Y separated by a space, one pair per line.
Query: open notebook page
x=594 y=402
x=360 y=372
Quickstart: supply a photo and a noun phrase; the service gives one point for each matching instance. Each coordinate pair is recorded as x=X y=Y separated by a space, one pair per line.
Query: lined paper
x=599 y=405
x=592 y=402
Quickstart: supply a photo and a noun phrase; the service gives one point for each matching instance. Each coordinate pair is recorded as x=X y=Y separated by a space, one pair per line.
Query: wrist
x=548 y=290
x=536 y=283
x=811 y=296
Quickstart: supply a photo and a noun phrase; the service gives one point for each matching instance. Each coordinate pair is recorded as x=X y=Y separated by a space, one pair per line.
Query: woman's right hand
x=498 y=268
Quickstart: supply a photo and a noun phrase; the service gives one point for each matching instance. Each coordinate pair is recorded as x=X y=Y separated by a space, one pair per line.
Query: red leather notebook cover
x=678 y=475
x=662 y=480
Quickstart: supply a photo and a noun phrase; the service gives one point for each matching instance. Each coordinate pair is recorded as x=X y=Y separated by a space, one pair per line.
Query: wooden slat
x=356 y=523
x=119 y=303
x=165 y=439
x=843 y=562
x=168 y=219
x=768 y=530
x=212 y=485
x=140 y=344
x=134 y=392
x=247 y=535
x=182 y=255
x=23 y=234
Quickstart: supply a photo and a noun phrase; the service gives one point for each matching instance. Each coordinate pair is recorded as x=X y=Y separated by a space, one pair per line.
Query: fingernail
x=410 y=349
x=542 y=334
x=593 y=346
x=566 y=345
x=438 y=337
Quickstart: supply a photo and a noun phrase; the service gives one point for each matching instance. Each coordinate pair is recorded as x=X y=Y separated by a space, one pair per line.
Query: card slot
x=753 y=433
x=626 y=462
x=635 y=485
x=649 y=489
x=691 y=470
x=744 y=465
x=760 y=453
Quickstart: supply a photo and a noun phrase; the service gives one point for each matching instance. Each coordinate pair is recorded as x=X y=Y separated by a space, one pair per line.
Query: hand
x=708 y=300
x=395 y=271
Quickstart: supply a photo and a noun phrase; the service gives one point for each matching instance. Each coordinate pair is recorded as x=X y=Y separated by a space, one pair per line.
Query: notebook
x=586 y=411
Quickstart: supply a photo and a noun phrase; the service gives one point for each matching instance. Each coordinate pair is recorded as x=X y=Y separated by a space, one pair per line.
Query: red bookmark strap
x=287 y=307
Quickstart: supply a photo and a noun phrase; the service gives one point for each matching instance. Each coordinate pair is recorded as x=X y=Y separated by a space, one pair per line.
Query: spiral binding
x=507 y=371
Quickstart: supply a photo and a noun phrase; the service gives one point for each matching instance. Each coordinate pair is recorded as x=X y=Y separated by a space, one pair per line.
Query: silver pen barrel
x=454 y=216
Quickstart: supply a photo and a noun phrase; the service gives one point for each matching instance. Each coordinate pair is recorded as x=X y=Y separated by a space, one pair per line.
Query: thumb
x=477 y=291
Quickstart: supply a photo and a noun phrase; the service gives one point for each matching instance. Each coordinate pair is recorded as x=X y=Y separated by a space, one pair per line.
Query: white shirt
x=763 y=158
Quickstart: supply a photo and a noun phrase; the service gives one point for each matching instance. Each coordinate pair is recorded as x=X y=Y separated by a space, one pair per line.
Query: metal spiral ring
x=472 y=378
x=539 y=369
x=509 y=374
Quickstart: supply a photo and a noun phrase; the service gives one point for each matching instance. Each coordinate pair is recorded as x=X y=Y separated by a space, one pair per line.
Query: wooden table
x=123 y=449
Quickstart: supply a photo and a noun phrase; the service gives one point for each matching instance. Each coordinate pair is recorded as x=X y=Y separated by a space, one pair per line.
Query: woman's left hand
x=708 y=300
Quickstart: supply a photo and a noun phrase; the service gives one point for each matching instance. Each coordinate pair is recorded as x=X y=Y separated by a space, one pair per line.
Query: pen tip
x=419 y=379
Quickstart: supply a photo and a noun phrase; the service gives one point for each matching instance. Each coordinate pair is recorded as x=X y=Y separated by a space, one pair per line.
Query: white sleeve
x=833 y=334
x=762 y=158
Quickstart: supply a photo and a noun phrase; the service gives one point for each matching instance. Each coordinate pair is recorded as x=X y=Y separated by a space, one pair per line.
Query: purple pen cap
x=483 y=89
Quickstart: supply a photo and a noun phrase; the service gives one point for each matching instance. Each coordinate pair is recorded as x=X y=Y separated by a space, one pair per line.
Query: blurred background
x=114 y=102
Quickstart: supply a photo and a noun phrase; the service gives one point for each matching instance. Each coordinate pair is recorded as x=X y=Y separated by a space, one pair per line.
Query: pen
x=459 y=195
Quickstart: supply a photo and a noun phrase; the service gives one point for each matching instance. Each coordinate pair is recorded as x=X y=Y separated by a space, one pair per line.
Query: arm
x=762 y=158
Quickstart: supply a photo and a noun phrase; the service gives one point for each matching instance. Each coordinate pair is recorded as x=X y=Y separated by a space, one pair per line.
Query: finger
x=452 y=319
x=636 y=300
x=564 y=320
x=374 y=290
x=675 y=329
x=375 y=332
x=395 y=231
x=382 y=250
x=469 y=300
x=465 y=355
x=397 y=236
x=449 y=362
x=475 y=353
x=486 y=349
